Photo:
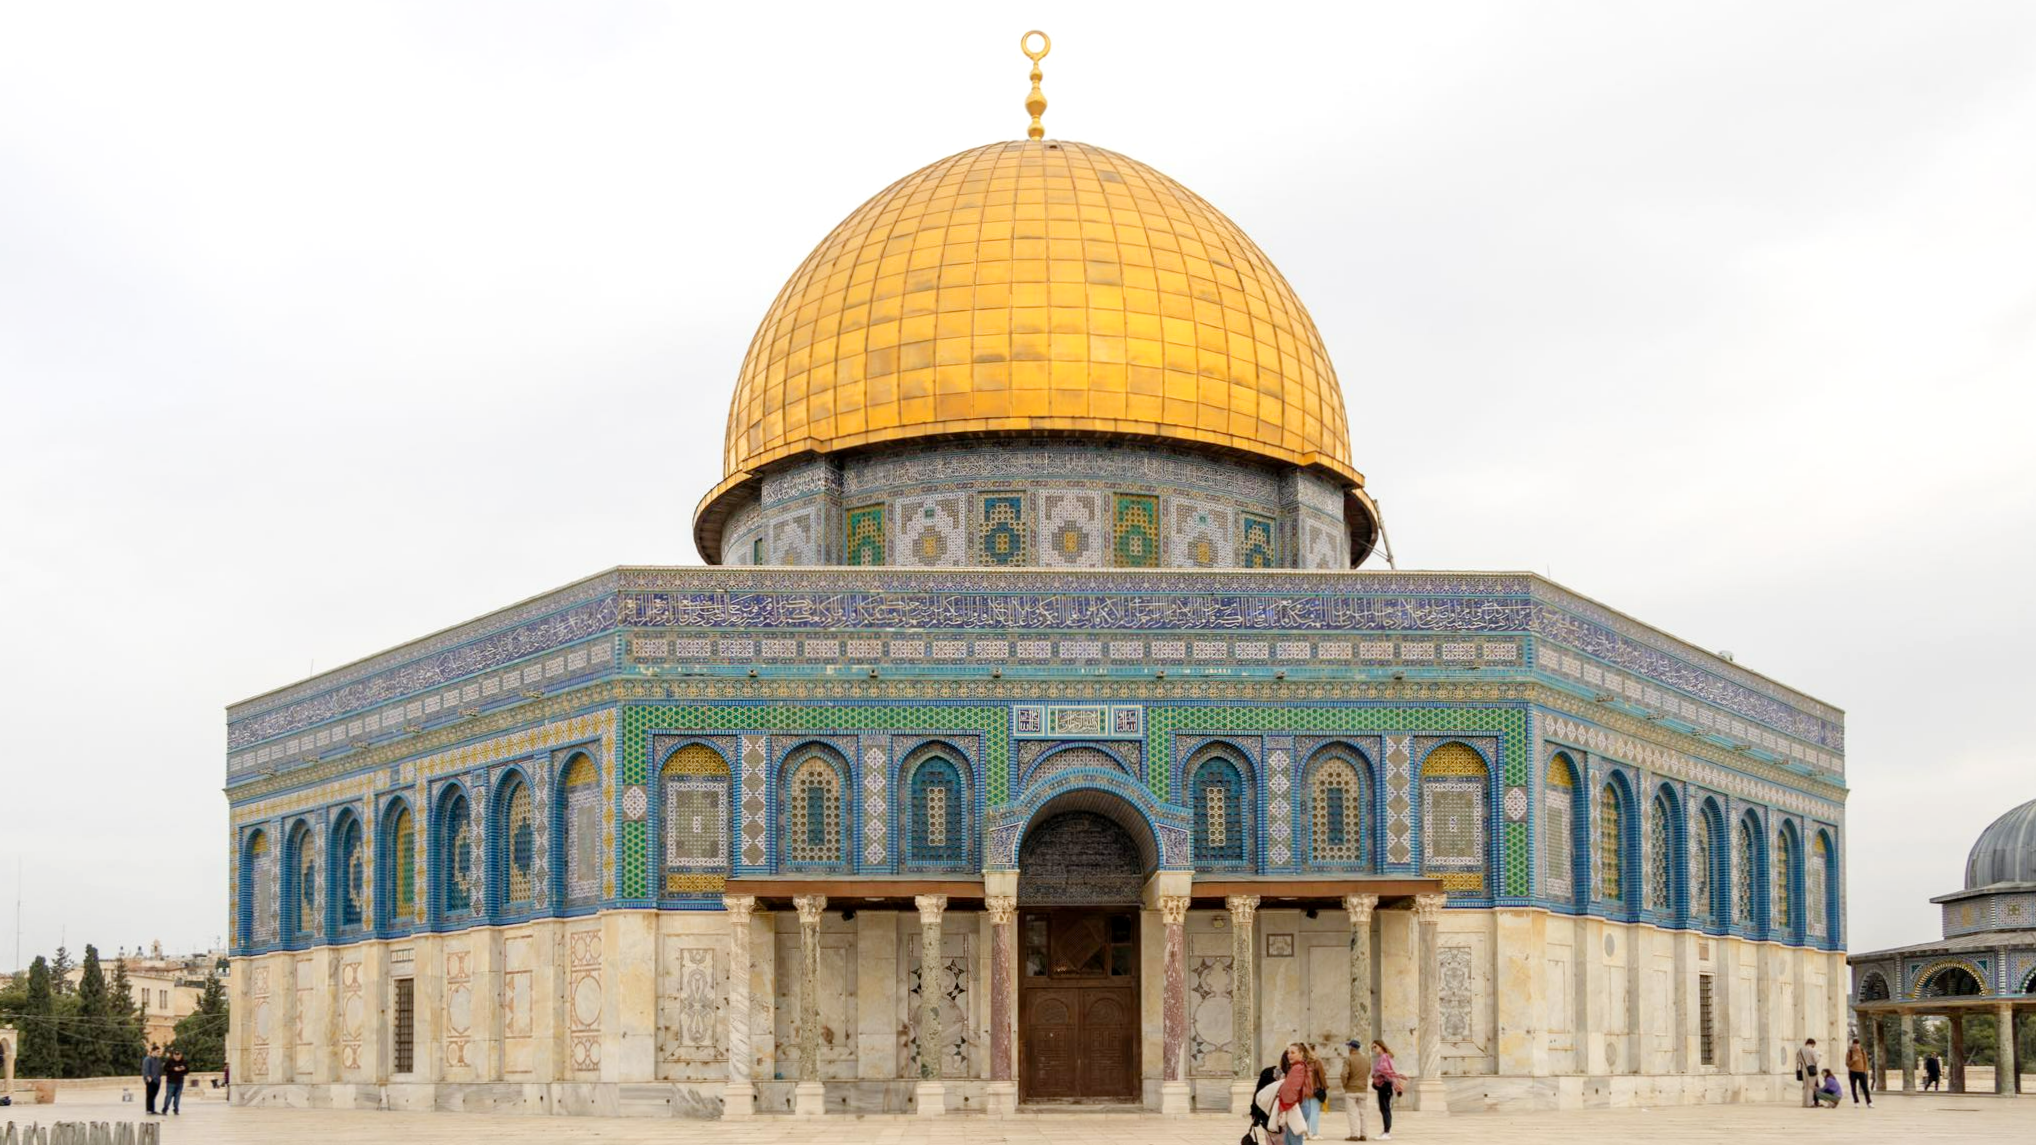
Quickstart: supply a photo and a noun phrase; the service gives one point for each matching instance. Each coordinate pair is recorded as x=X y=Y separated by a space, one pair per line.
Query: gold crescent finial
x=1036 y=102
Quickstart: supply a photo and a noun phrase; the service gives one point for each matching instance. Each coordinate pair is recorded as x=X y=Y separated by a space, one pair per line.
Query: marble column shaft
x=1905 y=1045
x=740 y=1090
x=1428 y=914
x=2005 y=1066
x=1174 y=1000
x=1243 y=988
x=1359 y=908
x=930 y=908
x=810 y=908
x=1003 y=986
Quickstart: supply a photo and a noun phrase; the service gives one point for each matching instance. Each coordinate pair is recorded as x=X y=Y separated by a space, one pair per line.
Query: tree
x=60 y=968
x=202 y=1033
x=89 y=1054
x=126 y=1021
x=41 y=1055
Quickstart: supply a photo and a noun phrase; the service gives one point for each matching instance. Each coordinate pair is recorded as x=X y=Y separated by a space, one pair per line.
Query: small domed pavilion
x=1984 y=964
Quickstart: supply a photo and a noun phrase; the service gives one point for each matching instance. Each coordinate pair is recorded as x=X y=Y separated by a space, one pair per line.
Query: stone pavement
x=1926 y=1119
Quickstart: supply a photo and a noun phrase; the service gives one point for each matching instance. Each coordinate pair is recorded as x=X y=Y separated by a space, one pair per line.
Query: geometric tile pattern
x=1135 y=531
x=1399 y=799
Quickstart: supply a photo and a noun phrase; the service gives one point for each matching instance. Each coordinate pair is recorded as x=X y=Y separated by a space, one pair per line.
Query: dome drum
x=1040 y=501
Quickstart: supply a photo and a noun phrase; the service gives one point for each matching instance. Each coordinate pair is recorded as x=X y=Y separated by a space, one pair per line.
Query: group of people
x=165 y=1075
x=1820 y=1086
x=1291 y=1094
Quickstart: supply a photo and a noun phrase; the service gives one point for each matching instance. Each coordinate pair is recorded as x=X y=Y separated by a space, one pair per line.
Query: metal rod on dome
x=1385 y=540
x=1036 y=102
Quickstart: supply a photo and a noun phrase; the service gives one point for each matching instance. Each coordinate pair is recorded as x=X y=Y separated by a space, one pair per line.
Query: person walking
x=1855 y=1070
x=152 y=1076
x=1317 y=1092
x=174 y=1072
x=1356 y=1080
x=1933 y=1071
x=1806 y=1071
x=1387 y=1083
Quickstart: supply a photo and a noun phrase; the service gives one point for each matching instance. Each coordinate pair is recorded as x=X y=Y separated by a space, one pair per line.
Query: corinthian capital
x=1359 y=908
x=810 y=908
x=1174 y=909
x=1002 y=908
x=738 y=907
x=1428 y=908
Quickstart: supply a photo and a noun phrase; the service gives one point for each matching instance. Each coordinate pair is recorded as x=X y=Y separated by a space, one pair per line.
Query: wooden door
x=1078 y=1026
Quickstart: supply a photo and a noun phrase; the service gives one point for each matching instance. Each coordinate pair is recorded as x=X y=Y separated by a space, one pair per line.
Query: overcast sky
x=324 y=328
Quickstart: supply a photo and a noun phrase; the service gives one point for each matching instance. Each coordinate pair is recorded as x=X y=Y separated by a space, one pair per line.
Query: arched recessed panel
x=1079 y=857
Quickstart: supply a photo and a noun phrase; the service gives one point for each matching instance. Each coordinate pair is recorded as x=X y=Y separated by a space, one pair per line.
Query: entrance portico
x=1101 y=1002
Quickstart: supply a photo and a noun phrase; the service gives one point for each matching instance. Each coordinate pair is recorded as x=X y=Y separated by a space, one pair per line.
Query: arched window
x=258 y=875
x=1951 y=982
x=348 y=877
x=1611 y=845
x=814 y=811
x=1784 y=863
x=513 y=840
x=300 y=884
x=1218 y=795
x=1453 y=792
x=1823 y=910
x=1336 y=803
x=695 y=821
x=1558 y=828
x=1705 y=837
x=576 y=833
x=936 y=824
x=1660 y=851
x=1745 y=853
x=396 y=869
x=453 y=877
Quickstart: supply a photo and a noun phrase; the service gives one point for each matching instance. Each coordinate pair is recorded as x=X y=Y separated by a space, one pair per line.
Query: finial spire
x=1036 y=102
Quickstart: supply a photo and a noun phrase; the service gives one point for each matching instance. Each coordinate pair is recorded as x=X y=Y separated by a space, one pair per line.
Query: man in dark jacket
x=174 y=1072
x=152 y=1074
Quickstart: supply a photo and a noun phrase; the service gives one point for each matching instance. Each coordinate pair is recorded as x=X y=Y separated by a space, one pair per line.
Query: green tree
x=41 y=1054
x=88 y=1055
x=125 y=1022
x=60 y=968
x=202 y=1033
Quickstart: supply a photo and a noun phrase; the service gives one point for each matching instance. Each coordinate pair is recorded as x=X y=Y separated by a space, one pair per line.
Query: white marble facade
x=627 y=1012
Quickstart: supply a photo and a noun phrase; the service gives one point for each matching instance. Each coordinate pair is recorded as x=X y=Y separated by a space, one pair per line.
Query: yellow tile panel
x=1037 y=285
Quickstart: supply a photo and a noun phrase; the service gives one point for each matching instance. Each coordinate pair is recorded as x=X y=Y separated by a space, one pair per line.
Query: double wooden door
x=1078 y=1027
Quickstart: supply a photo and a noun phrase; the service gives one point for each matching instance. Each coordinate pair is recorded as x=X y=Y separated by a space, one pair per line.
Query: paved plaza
x=1948 y=1118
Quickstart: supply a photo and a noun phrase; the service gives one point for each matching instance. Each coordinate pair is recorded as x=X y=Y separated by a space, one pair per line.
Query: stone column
x=809 y=1097
x=1430 y=1095
x=2004 y=1049
x=738 y=1097
x=1957 y=1062
x=1002 y=1094
x=1175 y=1096
x=1359 y=908
x=1879 y=1048
x=1905 y=1045
x=8 y=1040
x=1243 y=1002
x=929 y=1095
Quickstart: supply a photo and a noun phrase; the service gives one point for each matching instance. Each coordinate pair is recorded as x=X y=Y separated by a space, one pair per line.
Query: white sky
x=325 y=327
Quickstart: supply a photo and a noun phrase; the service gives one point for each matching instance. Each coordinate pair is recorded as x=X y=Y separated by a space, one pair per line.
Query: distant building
x=167 y=988
x=1985 y=963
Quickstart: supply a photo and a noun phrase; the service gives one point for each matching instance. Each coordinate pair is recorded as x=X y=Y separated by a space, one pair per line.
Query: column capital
x=1174 y=908
x=1428 y=908
x=810 y=908
x=1241 y=908
x=1002 y=908
x=930 y=907
x=738 y=907
x=1359 y=907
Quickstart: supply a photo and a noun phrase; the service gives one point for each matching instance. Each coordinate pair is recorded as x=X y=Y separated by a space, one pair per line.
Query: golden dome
x=1035 y=286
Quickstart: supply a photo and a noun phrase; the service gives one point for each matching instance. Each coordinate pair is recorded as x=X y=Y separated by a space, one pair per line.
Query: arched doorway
x=1081 y=869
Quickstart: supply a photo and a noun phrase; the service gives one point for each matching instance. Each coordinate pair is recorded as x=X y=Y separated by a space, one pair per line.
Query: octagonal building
x=1031 y=736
